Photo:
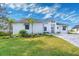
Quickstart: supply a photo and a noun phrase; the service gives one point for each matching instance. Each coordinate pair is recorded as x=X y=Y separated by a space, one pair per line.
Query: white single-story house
x=76 y=28
x=48 y=26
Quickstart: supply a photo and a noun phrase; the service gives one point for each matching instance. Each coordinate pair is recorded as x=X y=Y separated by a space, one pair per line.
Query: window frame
x=26 y=26
x=45 y=28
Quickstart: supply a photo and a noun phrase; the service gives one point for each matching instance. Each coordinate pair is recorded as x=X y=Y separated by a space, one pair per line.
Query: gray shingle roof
x=36 y=20
x=40 y=21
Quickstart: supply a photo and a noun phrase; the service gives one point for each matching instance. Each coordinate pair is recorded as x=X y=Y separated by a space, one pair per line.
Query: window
x=64 y=27
x=45 y=28
x=57 y=27
x=26 y=26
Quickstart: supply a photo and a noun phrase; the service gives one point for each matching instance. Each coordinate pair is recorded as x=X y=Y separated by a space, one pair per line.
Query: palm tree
x=10 y=22
x=31 y=21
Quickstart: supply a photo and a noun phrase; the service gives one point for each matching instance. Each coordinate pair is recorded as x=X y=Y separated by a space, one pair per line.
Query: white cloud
x=72 y=12
x=47 y=16
x=12 y=6
x=51 y=11
x=66 y=16
x=28 y=15
x=45 y=10
x=32 y=5
x=18 y=6
x=57 y=5
x=10 y=12
x=1 y=4
x=57 y=15
x=39 y=10
x=34 y=8
x=48 y=11
x=25 y=9
x=70 y=16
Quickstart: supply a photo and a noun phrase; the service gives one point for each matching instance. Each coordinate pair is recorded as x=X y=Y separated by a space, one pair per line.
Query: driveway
x=72 y=38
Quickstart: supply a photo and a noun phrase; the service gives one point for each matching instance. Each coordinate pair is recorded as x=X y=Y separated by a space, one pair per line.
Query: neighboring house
x=76 y=28
x=48 y=26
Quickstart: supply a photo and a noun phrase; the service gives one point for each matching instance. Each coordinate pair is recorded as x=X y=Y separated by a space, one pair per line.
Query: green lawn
x=38 y=46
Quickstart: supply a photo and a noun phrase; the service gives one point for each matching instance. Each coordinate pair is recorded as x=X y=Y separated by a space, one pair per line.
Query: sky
x=67 y=13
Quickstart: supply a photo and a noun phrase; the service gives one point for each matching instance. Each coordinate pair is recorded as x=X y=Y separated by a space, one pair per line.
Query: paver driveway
x=72 y=38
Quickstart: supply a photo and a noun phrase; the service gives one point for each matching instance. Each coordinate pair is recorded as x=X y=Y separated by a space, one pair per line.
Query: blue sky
x=61 y=12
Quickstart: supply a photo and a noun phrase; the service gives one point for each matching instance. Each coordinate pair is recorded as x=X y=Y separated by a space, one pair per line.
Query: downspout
x=43 y=27
x=55 y=28
x=32 y=29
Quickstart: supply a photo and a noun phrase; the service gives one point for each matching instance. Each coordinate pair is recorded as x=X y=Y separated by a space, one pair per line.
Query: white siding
x=64 y=31
x=55 y=27
x=49 y=25
x=37 y=28
x=17 y=27
x=60 y=29
x=76 y=30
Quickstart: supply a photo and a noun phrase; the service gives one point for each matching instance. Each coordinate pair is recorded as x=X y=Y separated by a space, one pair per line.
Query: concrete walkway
x=72 y=38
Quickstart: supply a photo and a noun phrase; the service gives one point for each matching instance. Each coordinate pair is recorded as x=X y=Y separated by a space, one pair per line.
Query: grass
x=38 y=46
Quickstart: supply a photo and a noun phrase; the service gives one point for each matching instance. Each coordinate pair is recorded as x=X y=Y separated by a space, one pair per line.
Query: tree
x=31 y=21
x=3 y=16
x=10 y=22
x=3 y=11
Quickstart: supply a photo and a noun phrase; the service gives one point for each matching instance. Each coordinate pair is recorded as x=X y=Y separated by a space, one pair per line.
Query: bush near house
x=4 y=33
x=4 y=37
x=23 y=33
x=71 y=31
x=58 y=32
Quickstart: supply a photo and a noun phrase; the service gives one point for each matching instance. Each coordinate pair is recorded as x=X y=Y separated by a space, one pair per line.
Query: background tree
x=3 y=15
x=10 y=22
x=4 y=19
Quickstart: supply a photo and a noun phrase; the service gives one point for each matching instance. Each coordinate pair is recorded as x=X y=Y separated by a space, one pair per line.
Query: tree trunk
x=10 y=29
x=43 y=28
x=32 y=29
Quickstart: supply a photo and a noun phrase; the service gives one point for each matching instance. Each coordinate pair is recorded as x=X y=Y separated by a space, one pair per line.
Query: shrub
x=58 y=32
x=4 y=37
x=71 y=31
x=16 y=35
x=23 y=33
x=45 y=33
x=36 y=35
x=4 y=34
